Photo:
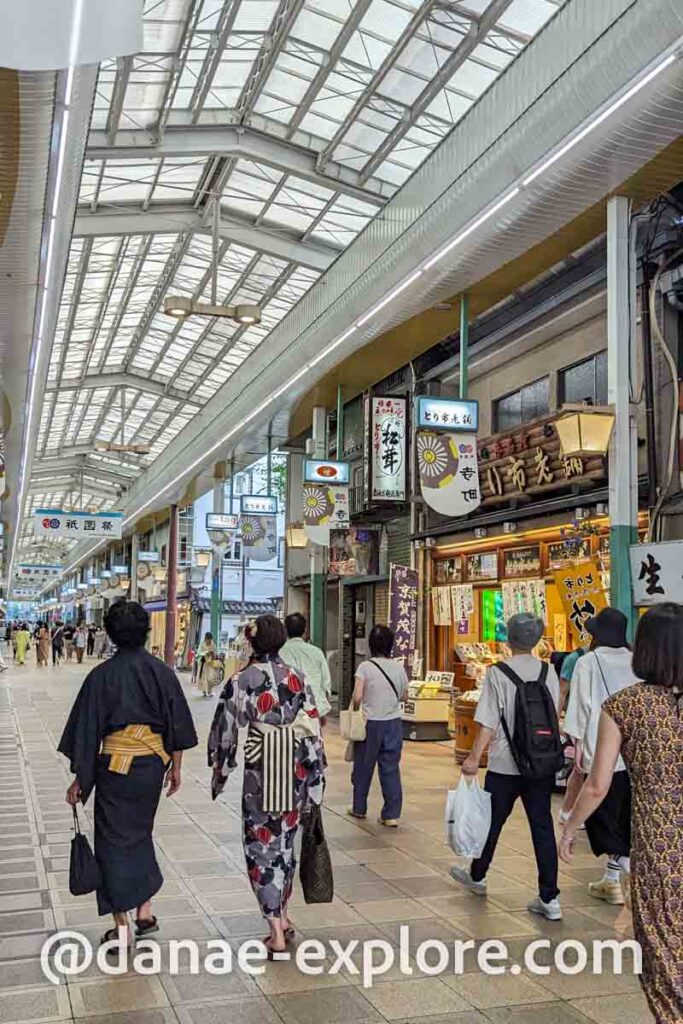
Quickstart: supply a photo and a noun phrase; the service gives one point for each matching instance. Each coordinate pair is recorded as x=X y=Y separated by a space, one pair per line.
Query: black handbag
x=84 y=871
x=315 y=869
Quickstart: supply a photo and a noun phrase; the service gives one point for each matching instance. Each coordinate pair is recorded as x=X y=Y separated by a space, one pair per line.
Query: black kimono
x=132 y=688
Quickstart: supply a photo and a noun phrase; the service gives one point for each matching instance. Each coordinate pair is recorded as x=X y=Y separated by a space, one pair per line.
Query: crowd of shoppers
x=131 y=722
x=60 y=639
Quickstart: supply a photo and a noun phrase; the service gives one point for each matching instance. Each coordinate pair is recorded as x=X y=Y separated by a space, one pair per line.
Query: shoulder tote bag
x=84 y=871
x=315 y=869
x=352 y=724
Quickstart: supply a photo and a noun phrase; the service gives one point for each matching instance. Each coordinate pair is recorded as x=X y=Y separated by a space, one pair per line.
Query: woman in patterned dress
x=644 y=724
x=277 y=705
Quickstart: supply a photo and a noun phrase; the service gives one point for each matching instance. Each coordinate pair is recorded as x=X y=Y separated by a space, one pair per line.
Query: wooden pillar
x=171 y=588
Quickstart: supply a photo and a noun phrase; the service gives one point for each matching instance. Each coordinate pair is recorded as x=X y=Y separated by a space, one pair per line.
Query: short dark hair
x=381 y=641
x=295 y=624
x=127 y=624
x=267 y=635
x=208 y=636
x=658 y=649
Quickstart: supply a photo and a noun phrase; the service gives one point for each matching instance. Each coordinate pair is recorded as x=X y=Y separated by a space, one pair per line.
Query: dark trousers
x=382 y=747
x=535 y=796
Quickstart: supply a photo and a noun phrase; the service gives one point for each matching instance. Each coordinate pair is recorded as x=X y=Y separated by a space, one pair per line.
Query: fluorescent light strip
x=472 y=227
x=389 y=298
x=477 y=223
x=597 y=121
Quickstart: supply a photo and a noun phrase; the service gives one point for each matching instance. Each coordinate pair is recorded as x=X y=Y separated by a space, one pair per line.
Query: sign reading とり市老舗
x=388 y=447
x=457 y=414
x=528 y=461
x=49 y=522
x=657 y=572
x=258 y=505
x=582 y=593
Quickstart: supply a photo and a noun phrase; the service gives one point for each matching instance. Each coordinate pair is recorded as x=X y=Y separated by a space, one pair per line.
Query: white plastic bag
x=468 y=818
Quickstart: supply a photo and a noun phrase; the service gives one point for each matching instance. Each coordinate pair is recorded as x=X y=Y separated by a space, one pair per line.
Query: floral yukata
x=264 y=695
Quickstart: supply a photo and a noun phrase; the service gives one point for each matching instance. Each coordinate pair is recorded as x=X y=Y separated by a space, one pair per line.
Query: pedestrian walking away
x=642 y=723
x=517 y=716
x=600 y=674
x=381 y=685
x=310 y=660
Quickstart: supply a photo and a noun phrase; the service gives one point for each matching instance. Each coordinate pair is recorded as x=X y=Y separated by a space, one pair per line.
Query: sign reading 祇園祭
x=50 y=522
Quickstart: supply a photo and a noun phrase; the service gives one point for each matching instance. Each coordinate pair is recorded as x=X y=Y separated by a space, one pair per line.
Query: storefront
x=544 y=549
x=157 y=633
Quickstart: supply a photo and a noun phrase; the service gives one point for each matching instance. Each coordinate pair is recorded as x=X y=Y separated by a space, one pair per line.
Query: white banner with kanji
x=49 y=522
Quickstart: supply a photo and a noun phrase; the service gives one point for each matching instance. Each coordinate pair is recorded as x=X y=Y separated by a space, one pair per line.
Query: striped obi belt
x=272 y=748
x=133 y=741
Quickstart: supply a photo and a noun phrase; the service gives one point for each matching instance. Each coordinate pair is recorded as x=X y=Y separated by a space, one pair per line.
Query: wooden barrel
x=465 y=729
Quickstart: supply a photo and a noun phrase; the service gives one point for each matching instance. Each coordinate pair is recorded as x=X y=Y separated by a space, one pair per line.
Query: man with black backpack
x=517 y=715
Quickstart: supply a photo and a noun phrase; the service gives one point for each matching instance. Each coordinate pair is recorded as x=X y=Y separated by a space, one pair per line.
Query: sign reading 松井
x=50 y=522
x=388 y=445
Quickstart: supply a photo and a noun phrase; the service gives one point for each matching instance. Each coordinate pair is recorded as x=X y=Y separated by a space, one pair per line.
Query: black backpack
x=536 y=744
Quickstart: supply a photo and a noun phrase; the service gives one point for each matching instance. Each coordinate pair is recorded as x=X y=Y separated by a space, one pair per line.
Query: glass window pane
x=601 y=378
x=508 y=412
x=535 y=400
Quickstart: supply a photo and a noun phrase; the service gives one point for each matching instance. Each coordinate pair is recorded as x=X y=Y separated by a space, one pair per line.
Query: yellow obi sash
x=133 y=741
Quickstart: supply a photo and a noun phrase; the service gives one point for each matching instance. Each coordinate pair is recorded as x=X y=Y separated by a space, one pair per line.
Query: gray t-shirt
x=379 y=700
x=497 y=694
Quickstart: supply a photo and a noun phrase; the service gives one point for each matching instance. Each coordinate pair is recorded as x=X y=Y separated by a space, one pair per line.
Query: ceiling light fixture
x=181 y=307
x=181 y=303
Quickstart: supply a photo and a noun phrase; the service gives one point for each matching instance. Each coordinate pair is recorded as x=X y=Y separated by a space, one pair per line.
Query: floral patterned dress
x=649 y=719
x=267 y=692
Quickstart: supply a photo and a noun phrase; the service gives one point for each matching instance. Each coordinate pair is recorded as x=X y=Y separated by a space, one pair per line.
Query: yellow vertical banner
x=580 y=588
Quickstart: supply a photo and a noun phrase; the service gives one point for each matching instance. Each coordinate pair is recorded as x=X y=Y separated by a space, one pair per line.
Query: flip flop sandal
x=146 y=927
x=270 y=952
x=110 y=936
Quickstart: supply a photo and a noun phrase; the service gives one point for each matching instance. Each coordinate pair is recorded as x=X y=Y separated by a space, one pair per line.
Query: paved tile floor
x=382 y=879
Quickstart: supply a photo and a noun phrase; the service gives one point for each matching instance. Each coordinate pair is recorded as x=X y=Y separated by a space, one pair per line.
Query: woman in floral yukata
x=283 y=766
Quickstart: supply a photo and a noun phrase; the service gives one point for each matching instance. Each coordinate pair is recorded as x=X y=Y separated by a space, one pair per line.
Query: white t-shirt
x=597 y=676
x=498 y=697
x=380 y=702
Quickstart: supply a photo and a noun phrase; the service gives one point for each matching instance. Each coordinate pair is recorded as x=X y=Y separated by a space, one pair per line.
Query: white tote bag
x=352 y=724
x=468 y=818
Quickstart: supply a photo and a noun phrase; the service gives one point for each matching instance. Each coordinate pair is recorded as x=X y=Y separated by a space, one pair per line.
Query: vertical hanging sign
x=388 y=443
x=403 y=588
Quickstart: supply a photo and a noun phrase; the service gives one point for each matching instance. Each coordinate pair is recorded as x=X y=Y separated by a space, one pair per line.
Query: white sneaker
x=464 y=877
x=551 y=911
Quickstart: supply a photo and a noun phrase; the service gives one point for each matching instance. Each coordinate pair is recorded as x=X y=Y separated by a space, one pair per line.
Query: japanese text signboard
x=258 y=504
x=388 y=444
x=582 y=594
x=528 y=463
x=221 y=521
x=449 y=472
x=50 y=522
x=403 y=587
x=460 y=415
x=657 y=572
x=318 y=471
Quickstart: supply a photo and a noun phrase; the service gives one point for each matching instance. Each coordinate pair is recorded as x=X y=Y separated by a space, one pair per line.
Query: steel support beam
x=230 y=140
x=475 y=36
x=623 y=466
x=123 y=219
x=134 y=381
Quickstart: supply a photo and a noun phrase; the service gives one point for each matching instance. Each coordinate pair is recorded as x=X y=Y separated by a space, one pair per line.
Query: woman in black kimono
x=125 y=735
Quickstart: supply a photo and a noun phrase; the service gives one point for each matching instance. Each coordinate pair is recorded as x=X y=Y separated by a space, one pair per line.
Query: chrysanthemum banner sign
x=449 y=472
x=325 y=508
x=259 y=537
x=388 y=444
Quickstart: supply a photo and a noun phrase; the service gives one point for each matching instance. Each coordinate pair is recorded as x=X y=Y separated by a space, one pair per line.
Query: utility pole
x=171 y=588
x=318 y=604
x=623 y=467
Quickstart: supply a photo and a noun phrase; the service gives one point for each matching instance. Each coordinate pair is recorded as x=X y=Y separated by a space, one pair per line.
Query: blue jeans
x=382 y=747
